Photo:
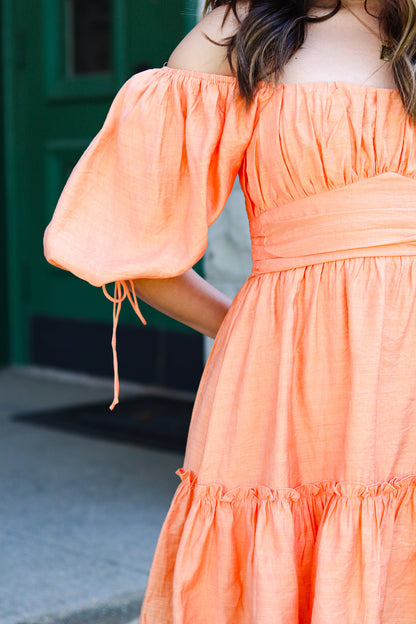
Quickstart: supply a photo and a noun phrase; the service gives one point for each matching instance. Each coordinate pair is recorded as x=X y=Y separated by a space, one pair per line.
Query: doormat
x=151 y=421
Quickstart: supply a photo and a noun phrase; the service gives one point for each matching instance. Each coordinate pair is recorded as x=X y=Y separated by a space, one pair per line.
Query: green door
x=66 y=60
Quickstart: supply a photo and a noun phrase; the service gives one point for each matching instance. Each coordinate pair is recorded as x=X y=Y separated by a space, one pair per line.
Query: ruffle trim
x=284 y=555
x=394 y=486
x=264 y=84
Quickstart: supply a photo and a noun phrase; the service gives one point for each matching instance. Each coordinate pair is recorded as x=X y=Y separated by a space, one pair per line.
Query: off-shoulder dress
x=296 y=501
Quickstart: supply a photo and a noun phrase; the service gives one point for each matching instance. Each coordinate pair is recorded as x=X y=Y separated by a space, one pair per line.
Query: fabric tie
x=372 y=217
x=121 y=291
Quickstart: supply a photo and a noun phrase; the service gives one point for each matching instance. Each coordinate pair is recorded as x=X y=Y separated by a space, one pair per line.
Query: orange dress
x=296 y=501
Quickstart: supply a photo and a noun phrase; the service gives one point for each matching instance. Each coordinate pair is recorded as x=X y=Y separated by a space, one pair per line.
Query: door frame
x=10 y=276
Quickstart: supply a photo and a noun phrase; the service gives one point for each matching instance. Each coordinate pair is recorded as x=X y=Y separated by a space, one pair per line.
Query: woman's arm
x=188 y=298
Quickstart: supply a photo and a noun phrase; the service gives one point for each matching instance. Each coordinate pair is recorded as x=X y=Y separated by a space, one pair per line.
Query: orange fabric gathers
x=297 y=498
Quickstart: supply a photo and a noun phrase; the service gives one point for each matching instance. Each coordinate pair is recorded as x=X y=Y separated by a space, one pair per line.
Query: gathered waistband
x=372 y=217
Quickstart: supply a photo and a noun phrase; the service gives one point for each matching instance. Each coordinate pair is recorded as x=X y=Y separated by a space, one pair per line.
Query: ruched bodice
x=297 y=494
x=342 y=179
x=350 y=133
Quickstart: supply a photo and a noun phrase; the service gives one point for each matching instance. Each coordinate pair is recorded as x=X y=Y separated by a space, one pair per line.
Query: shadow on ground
x=151 y=421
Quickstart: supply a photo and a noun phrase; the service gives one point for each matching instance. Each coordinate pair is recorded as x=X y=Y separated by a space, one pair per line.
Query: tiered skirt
x=297 y=500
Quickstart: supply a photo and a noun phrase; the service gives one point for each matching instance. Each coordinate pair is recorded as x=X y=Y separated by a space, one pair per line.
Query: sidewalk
x=79 y=517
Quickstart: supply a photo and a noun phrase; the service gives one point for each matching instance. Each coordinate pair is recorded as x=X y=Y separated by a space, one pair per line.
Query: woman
x=297 y=497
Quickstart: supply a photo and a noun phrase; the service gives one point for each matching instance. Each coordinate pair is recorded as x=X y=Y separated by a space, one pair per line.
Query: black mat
x=151 y=421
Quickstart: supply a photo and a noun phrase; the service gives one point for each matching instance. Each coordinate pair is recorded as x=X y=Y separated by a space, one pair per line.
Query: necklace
x=386 y=48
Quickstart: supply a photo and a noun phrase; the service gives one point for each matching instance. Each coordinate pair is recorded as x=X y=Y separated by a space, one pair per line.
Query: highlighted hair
x=273 y=30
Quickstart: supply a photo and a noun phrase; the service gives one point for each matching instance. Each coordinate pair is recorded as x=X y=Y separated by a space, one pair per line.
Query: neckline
x=211 y=77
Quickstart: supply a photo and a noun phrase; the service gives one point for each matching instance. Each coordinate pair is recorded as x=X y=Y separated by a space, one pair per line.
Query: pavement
x=79 y=516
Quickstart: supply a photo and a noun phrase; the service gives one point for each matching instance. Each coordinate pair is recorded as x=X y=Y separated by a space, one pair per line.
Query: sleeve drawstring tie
x=121 y=291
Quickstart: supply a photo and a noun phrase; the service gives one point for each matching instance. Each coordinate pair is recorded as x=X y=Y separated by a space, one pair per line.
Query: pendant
x=386 y=52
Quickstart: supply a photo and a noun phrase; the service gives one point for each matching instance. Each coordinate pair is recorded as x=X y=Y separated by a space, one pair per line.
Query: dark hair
x=273 y=30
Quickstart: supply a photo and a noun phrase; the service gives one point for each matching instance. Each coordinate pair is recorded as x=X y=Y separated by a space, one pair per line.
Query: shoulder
x=195 y=52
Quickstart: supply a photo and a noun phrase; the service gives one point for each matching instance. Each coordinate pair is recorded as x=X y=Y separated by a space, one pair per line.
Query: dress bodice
x=330 y=172
x=319 y=136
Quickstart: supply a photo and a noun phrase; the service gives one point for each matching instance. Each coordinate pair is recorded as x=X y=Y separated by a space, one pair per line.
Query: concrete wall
x=227 y=261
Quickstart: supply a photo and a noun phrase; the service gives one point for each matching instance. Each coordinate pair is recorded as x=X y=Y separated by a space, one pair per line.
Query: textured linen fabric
x=296 y=501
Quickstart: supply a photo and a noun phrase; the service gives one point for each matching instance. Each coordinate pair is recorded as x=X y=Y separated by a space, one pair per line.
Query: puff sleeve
x=139 y=201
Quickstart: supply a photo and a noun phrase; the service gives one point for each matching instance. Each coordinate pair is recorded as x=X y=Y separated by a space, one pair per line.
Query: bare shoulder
x=195 y=52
